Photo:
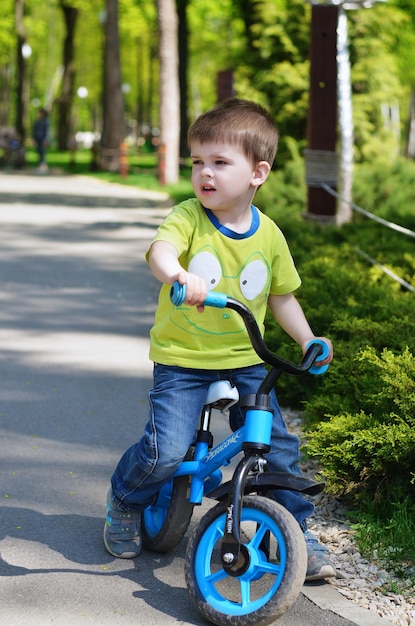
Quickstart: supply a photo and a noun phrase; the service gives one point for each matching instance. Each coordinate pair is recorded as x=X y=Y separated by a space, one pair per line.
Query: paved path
x=76 y=304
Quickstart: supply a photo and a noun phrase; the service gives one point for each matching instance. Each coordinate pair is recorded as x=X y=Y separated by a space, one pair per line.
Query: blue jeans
x=41 y=149
x=176 y=401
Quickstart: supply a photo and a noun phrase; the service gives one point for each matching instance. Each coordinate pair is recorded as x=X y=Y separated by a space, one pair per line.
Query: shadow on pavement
x=79 y=542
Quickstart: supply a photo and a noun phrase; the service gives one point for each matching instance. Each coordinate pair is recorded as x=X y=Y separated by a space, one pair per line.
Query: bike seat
x=222 y=395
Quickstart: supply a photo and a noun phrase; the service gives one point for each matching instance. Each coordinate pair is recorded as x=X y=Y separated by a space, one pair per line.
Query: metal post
x=344 y=210
x=123 y=160
x=225 y=87
x=321 y=157
x=329 y=56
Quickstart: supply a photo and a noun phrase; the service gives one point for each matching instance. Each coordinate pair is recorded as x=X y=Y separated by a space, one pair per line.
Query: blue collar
x=231 y=233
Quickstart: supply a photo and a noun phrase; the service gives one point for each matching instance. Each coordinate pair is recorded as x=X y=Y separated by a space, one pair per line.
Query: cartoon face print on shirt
x=249 y=283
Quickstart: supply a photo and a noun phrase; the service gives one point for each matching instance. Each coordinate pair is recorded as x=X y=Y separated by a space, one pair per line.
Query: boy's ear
x=260 y=174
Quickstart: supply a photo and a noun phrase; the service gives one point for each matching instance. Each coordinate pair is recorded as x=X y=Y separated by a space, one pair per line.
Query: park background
x=123 y=78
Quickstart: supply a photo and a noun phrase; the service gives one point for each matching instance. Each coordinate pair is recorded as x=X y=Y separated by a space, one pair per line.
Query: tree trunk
x=6 y=92
x=410 y=151
x=183 y=34
x=21 y=104
x=65 y=99
x=169 y=92
x=113 y=103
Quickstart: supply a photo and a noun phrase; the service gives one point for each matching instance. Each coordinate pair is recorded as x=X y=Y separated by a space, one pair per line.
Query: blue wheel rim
x=209 y=581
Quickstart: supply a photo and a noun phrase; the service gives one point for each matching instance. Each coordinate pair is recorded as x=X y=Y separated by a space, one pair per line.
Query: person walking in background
x=40 y=136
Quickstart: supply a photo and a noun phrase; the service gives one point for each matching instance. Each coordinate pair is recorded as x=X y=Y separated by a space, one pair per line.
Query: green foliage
x=142 y=171
x=211 y=25
x=372 y=452
x=284 y=193
x=267 y=47
x=7 y=36
x=388 y=190
x=379 y=88
x=360 y=415
x=273 y=66
x=344 y=296
x=385 y=530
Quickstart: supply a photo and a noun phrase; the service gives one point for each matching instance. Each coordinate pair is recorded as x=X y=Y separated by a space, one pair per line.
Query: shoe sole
x=327 y=571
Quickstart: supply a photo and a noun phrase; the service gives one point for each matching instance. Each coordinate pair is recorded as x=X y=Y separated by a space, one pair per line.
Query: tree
x=65 y=99
x=140 y=66
x=216 y=41
x=7 y=49
x=183 y=34
x=378 y=94
x=274 y=64
x=113 y=131
x=267 y=47
x=21 y=96
x=169 y=92
x=404 y=50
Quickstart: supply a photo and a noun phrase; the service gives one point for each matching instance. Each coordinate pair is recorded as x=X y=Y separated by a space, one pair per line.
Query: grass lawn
x=142 y=171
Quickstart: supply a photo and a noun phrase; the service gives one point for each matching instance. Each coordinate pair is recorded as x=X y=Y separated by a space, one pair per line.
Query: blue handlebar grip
x=177 y=293
x=213 y=298
x=316 y=368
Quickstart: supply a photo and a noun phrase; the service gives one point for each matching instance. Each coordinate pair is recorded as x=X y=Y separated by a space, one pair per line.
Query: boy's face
x=223 y=178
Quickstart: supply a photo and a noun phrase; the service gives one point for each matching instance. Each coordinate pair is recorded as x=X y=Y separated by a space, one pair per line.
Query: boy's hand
x=328 y=358
x=196 y=289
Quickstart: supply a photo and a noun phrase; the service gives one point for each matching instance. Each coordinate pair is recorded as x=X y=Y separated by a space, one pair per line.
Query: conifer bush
x=372 y=450
x=360 y=416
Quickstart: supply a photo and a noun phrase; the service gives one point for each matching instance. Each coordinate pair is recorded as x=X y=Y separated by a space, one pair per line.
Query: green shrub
x=373 y=452
x=283 y=196
x=386 y=531
x=359 y=414
x=346 y=301
x=387 y=189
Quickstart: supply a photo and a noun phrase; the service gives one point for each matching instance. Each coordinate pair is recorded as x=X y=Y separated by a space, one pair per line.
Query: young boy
x=217 y=240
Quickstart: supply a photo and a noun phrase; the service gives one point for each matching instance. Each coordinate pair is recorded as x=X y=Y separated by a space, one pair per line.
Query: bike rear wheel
x=274 y=574
x=165 y=523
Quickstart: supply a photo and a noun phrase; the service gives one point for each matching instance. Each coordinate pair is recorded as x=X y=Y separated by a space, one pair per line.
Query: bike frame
x=253 y=438
x=207 y=463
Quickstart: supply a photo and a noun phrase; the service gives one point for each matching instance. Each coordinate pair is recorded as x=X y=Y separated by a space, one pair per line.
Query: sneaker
x=122 y=531
x=319 y=565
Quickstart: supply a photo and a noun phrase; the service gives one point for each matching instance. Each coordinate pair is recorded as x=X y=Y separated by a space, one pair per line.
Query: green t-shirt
x=247 y=267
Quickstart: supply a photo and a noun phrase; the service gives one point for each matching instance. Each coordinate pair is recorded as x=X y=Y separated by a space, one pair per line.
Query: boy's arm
x=288 y=313
x=163 y=259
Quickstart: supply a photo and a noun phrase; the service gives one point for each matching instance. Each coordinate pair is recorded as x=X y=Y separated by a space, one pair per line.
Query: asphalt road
x=76 y=304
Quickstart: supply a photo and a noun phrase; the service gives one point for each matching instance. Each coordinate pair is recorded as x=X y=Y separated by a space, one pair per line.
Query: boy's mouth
x=208 y=188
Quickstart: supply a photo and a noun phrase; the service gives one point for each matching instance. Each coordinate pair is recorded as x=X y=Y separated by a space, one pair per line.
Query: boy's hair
x=241 y=122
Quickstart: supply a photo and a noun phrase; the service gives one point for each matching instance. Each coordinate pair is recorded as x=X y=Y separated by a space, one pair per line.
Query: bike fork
x=258 y=425
x=233 y=553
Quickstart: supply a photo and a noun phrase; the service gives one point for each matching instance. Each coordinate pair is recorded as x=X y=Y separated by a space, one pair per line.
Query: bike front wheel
x=274 y=573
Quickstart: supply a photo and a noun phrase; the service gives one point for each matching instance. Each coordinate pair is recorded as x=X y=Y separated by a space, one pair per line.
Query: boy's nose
x=206 y=172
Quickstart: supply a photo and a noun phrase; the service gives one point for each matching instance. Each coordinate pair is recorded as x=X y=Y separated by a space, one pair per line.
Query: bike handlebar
x=317 y=350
